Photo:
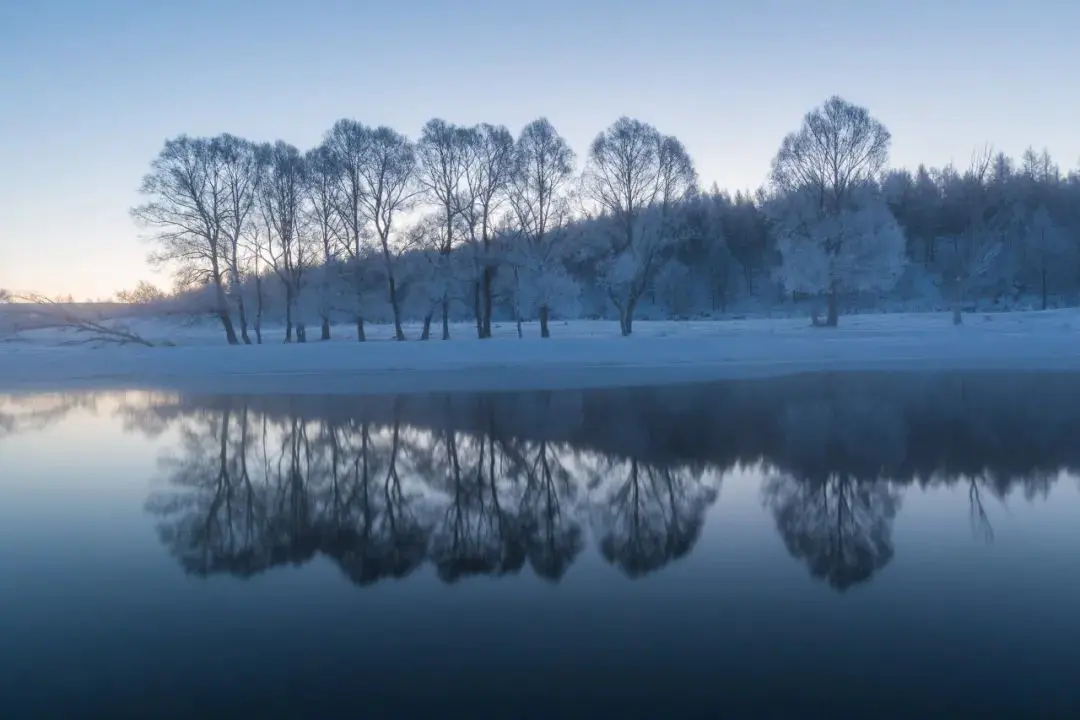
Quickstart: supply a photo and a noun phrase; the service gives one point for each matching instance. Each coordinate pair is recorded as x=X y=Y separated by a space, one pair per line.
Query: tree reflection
x=496 y=485
x=34 y=413
x=479 y=532
x=372 y=530
x=651 y=515
x=554 y=537
x=840 y=527
x=980 y=521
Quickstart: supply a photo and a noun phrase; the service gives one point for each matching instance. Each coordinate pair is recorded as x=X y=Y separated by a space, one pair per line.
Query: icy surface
x=580 y=354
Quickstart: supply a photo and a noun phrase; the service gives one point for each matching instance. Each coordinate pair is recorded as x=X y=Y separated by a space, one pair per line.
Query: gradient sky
x=90 y=89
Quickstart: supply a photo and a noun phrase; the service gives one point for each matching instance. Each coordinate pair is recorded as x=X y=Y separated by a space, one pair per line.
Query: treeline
x=471 y=221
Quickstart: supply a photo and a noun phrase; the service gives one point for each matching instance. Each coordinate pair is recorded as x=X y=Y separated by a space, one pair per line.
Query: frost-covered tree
x=426 y=274
x=854 y=249
x=443 y=157
x=635 y=178
x=388 y=190
x=187 y=211
x=289 y=243
x=839 y=149
x=241 y=173
x=325 y=224
x=975 y=220
x=489 y=166
x=144 y=293
x=1048 y=245
x=346 y=146
x=538 y=190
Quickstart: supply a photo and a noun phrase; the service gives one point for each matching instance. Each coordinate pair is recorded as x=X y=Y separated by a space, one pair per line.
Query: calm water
x=819 y=545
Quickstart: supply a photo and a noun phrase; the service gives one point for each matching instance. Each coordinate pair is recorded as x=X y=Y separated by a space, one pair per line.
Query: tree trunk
x=395 y=307
x=488 y=291
x=833 y=317
x=288 y=315
x=223 y=312
x=258 y=308
x=628 y=317
x=230 y=331
x=241 y=312
x=445 y=317
x=478 y=310
x=958 y=305
x=1044 y=286
x=544 y=332
x=358 y=280
x=325 y=335
x=426 y=333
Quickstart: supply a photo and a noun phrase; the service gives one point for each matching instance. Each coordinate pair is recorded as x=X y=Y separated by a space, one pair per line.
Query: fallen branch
x=52 y=314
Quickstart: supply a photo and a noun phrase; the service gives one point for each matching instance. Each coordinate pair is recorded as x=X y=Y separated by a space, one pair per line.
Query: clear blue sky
x=90 y=89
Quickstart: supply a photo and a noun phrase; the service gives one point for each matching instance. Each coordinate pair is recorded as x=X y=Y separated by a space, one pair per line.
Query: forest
x=473 y=223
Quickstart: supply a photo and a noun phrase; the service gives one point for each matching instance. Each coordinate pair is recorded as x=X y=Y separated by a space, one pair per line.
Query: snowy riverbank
x=581 y=354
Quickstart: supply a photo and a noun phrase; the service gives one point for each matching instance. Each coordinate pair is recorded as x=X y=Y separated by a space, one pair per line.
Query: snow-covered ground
x=580 y=354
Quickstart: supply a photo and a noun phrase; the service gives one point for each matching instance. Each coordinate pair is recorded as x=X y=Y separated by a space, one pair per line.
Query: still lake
x=814 y=545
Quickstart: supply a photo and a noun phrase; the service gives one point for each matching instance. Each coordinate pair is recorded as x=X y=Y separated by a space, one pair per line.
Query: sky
x=91 y=89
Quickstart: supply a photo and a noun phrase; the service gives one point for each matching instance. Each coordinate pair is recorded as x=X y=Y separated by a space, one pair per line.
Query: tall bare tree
x=288 y=247
x=241 y=174
x=543 y=166
x=388 y=182
x=839 y=147
x=442 y=161
x=636 y=176
x=489 y=168
x=187 y=210
x=347 y=147
x=325 y=224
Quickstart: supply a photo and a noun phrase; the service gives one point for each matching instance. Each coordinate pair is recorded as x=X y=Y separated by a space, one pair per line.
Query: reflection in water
x=29 y=413
x=249 y=488
x=841 y=527
x=488 y=484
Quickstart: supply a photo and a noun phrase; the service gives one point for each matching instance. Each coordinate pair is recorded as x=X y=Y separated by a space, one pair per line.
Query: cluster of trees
x=371 y=225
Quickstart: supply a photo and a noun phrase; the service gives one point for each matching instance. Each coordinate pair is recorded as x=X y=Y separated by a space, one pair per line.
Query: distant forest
x=471 y=222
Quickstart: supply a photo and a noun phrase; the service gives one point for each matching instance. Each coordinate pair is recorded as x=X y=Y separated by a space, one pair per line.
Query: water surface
x=822 y=544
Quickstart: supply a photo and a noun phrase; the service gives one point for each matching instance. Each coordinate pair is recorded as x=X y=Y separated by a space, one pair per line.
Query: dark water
x=821 y=545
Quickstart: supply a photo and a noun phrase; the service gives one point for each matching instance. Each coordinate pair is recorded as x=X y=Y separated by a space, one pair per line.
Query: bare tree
x=187 y=209
x=442 y=157
x=543 y=165
x=489 y=167
x=636 y=176
x=240 y=174
x=347 y=148
x=282 y=194
x=839 y=148
x=387 y=181
x=325 y=224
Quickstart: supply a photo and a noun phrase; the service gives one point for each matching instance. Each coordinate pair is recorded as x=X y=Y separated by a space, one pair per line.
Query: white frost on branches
x=859 y=249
